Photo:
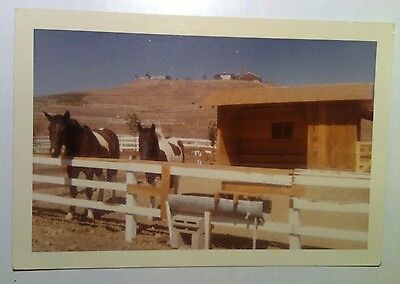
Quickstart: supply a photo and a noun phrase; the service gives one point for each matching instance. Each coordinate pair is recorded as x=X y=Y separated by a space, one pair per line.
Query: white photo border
x=27 y=20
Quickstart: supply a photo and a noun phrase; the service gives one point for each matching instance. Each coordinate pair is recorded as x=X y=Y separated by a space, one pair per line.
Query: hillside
x=172 y=104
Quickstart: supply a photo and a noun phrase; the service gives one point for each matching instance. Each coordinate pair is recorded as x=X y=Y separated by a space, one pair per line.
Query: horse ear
x=153 y=127
x=48 y=116
x=67 y=115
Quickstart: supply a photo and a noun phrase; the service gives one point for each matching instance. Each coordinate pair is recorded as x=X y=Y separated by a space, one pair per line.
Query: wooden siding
x=324 y=135
x=227 y=145
x=333 y=129
x=256 y=147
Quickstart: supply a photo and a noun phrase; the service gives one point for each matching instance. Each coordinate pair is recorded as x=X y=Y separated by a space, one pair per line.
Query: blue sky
x=67 y=61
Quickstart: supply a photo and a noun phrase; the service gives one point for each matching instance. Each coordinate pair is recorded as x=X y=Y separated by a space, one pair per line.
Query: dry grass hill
x=172 y=104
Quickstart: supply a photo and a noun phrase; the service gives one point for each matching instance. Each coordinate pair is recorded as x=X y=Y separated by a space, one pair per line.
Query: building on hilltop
x=250 y=77
x=224 y=76
x=148 y=76
x=245 y=77
x=145 y=77
x=162 y=77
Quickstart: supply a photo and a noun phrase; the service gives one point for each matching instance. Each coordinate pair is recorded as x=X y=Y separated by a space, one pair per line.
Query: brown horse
x=81 y=141
x=154 y=146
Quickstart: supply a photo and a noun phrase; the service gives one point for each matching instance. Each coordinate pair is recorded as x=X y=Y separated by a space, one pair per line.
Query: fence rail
x=283 y=179
x=134 y=210
x=41 y=144
x=296 y=230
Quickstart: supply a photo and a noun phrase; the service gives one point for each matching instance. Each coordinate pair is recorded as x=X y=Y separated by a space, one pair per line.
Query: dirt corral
x=51 y=232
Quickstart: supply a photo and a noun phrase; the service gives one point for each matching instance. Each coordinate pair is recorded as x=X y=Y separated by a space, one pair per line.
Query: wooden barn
x=314 y=127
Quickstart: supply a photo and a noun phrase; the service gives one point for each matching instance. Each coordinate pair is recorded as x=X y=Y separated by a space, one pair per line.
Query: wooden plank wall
x=333 y=129
x=256 y=144
x=324 y=135
x=227 y=144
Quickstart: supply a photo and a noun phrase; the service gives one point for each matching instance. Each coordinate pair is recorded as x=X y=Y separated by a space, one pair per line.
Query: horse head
x=148 y=143
x=57 y=132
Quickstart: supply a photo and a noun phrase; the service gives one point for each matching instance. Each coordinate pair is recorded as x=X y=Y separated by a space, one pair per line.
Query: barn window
x=282 y=130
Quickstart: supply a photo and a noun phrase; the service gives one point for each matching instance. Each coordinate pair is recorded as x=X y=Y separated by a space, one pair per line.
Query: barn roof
x=291 y=94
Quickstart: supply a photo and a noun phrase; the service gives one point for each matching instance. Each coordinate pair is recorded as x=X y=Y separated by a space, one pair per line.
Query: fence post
x=169 y=220
x=294 y=223
x=255 y=233
x=130 y=222
x=207 y=230
x=165 y=187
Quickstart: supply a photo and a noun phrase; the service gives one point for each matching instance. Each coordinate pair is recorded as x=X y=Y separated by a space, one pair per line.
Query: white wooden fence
x=318 y=178
x=296 y=230
x=283 y=178
x=41 y=144
x=130 y=208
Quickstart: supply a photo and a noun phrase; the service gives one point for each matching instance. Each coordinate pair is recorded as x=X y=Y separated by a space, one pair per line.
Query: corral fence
x=296 y=230
x=282 y=182
x=41 y=144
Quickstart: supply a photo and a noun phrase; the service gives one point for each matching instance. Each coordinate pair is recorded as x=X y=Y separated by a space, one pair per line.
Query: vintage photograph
x=145 y=141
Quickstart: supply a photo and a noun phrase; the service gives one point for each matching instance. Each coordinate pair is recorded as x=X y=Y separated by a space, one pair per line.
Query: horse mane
x=86 y=127
x=74 y=123
x=159 y=133
x=74 y=137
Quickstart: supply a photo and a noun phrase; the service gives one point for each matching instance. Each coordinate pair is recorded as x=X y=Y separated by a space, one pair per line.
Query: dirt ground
x=52 y=233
